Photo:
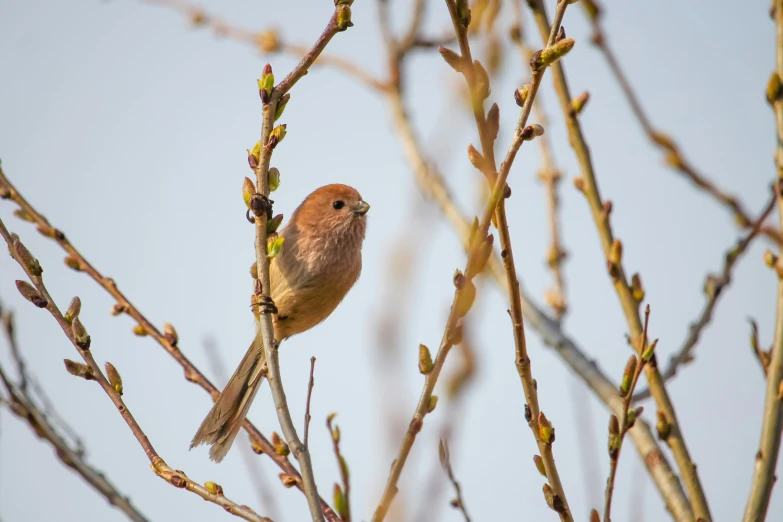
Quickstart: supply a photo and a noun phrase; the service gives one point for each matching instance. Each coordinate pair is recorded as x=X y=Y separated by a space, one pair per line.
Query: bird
x=320 y=261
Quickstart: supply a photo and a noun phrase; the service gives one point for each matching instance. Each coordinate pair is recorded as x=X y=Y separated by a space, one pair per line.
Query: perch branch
x=167 y=341
x=340 y=21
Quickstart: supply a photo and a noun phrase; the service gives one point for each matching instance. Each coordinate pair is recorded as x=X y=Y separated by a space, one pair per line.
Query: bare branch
x=77 y=335
x=772 y=424
x=714 y=287
x=169 y=343
x=23 y=406
x=671 y=151
x=613 y=252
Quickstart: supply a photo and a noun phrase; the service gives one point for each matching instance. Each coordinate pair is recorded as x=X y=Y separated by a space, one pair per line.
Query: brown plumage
x=320 y=262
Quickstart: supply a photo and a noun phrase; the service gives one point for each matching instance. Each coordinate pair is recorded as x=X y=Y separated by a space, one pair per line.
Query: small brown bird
x=320 y=261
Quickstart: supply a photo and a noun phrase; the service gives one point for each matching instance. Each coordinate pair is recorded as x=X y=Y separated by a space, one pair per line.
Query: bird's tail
x=221 y=425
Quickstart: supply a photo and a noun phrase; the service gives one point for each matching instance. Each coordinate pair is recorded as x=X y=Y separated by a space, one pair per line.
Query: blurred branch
x=77 y=335
x=613 y=251
x=267 y=42
x=671 y=151
x=21 y=404
x=252 y=464
x=342 y=494
x=262 y=209
x=550 y=175
x=618 y=429
x=433 y=185
x=463 y=300
x=713 y=287
x=487 y=125
x=168 y=341
x=445 y=460
x=772 y=424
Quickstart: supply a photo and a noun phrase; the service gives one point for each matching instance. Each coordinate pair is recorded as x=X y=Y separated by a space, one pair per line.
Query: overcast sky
x=128 y=129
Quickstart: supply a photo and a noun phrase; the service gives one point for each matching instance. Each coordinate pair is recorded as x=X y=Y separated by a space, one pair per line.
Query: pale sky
x=128 y=129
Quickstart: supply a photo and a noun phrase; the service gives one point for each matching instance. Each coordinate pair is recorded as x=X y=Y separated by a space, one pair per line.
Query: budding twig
x=340 y=21
x=612 y=251
x=22 y=405
x=671 y=151
x=260 y=443
x=618 y=429
x=714 y=287
x=772 y=424
x=159 y=466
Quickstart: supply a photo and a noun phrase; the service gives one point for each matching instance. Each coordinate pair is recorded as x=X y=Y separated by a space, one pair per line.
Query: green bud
x=214 y=488
x=628 y=374
x=273 y=224
x=274 y=246
x=248 y=189
x=425 y=360
x=274 y=179
x=281 y=106
x=433 y=402
x=549 y=55
x=73 y=309
x=539 y=462
x=340 y=502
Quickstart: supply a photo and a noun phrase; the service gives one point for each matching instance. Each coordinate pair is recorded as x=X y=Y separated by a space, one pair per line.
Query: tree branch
x=23 y=406
x=772 y=425
x=81 y=341
x=340 y=21
x=612 y=250
x=671 y=151
x=714 y=287
x=542 y=429
x=168 y=341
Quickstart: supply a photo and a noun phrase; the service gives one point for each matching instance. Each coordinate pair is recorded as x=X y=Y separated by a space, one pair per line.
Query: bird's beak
x=362 y=208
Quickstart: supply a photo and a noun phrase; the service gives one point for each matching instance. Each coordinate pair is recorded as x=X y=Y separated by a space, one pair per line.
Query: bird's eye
x=337 y=205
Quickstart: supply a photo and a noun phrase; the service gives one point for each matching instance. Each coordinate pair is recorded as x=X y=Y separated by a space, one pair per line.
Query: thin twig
x=23 y=406
x=535 y=418
x=460 y=307
x=671 y=151
x=433 y=185
x=618 y=430
x=714 y=287
x=445 y=461
x=268 y=41
x=252 y=464
x=340 y=21
x=343 y=506
x=772 y=424
x=612 y=251
x=176 y=478
x=310 y=384
x=169 y=343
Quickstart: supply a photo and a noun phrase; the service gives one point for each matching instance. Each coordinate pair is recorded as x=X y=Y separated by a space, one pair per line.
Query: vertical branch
x=772 y=425
x=261 y=206
x=478 y=84
x=613 y=251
